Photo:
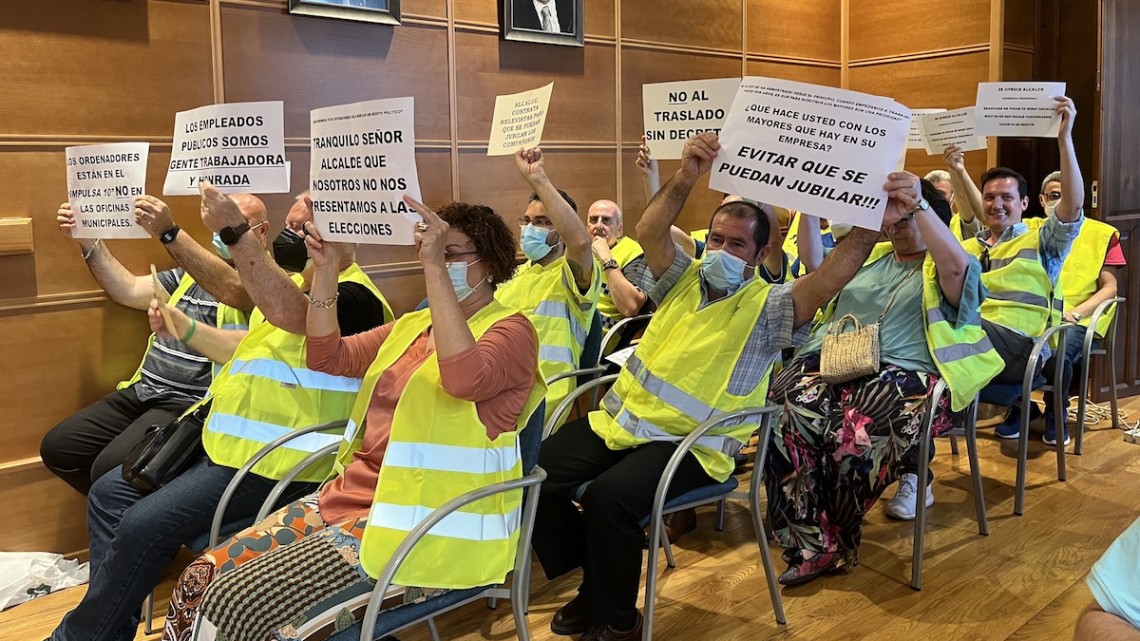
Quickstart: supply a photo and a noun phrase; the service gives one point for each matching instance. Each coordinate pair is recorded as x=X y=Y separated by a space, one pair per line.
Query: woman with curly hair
x=839 y=440
x=444 y=392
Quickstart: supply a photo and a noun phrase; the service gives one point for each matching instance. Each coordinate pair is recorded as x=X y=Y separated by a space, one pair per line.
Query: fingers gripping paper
x=811 y=148
x=674 y=111
x=363 y=162
x=518 y=121
x=102 y=183
x=1019 y=109
x=943 y=129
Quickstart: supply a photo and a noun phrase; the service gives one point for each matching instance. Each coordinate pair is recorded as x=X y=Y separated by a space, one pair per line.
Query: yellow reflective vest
x=228 y=318
x=439 y=450
x=267 y=391
x=1021 y=297
x=680 y=373
x=624 y=251
x=965 y=357
x=550 y=298
x=1080 y=275
x=792 y=249
x=956 y=227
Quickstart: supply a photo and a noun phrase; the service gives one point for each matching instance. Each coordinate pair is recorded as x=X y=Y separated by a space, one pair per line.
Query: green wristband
x=190 y=334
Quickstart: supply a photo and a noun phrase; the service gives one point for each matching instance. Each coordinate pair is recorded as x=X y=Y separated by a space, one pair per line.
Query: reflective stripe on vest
x=266 y=391
x=1021 y=296
x=1080 y=274
x=679 y=375
x=438 y=449
x=547 y=295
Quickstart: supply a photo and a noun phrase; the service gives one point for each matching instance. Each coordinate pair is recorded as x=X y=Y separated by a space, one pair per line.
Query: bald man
x=625 y=274
x=172 y=375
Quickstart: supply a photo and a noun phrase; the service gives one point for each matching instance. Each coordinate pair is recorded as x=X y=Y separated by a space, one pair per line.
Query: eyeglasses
x=449 y=258
x=541 y=221
x=902 y=224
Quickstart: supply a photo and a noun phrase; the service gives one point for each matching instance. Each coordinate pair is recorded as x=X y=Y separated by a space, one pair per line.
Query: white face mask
x=457 y=272
x=1051 y=208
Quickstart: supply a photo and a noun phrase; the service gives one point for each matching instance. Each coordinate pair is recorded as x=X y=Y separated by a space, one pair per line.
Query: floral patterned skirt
x=835 y=448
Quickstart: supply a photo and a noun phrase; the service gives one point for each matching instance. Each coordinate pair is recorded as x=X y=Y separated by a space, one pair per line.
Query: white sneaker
x=904 y=505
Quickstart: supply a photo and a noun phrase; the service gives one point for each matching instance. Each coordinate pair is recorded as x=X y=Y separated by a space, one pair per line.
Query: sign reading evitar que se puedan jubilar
x=102 y=184
x=237 y=147
x=363 y=162
x=811 y=148
x=674 y=111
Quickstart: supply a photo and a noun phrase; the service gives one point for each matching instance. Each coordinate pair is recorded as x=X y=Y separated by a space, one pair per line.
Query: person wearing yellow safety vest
x=625 y=274
x=445 y=391
x=791 y=243
x=1022 y=263
x=559 y=285
x=134 y=536
x=709 y=349
x=839 y=445
x=171 y=376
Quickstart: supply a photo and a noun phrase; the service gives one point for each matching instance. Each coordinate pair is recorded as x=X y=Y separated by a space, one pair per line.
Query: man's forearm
x=216 y=344
x=966 y=194
x=210 y=272
x=1107 y=291
x=660 y=214
x=271 y=290
x=809 y=242
x=570 y=228
x=1072 y=182
x=628 y=298
x=812 y=291
x=120 y=284
x=1097 y=625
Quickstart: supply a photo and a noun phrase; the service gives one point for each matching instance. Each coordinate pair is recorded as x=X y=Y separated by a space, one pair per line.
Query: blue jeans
x=134 y=537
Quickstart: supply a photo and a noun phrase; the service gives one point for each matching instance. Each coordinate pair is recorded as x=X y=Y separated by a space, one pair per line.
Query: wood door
x=1119 y=178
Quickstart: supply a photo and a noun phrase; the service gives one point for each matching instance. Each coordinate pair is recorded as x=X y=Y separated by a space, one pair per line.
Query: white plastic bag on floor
x=27 y=575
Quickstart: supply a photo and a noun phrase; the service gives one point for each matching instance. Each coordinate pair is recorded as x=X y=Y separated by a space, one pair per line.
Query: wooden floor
x=1025 y=581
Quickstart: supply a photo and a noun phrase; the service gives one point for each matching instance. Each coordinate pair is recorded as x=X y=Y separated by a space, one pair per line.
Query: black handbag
x=166 y=451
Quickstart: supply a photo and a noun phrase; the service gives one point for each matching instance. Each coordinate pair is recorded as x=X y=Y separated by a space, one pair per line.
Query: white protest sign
x=363 y=162
x=1019 y=109
x=674 y=111
x=811 y=148
x=943 y=129
x=914 y=137
x=102 y=183
x=518 y=121
x=238 y=147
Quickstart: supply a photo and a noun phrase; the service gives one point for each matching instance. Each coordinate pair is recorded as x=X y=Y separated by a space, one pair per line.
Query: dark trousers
x=133 y=538
x=1013 y=348
x=98 y=437
x=605 y=538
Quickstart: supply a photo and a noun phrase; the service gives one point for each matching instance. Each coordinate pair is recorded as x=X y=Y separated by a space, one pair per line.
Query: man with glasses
x=558 y=286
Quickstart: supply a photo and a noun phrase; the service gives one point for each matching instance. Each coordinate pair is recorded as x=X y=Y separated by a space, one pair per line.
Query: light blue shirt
x=1056 y=240
x=1115 y=579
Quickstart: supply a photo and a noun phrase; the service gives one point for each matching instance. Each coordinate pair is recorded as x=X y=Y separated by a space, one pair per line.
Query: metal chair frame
x=1106 y=347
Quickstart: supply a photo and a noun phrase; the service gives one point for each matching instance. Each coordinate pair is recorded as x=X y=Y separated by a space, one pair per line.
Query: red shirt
x=1115 y=256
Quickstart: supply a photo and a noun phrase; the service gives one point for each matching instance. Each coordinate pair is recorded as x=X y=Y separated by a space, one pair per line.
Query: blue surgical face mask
x=533 y=241
x=222 y=248
x=457 y=272
x=723 y=271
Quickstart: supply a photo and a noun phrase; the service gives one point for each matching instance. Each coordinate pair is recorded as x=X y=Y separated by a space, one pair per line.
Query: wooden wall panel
x=581 y=107
x=896 y=27
x=647 y=66
x=107 y=68
x=805 y=29
x=919 y=163
x=41 y=513
x=1021 y=22
x=948 y=82
x=424 y=8
x=695 y=215
x=709 y=24
x=315 y=62
x=828 y=76
x=599 y=15
x=1017 y=66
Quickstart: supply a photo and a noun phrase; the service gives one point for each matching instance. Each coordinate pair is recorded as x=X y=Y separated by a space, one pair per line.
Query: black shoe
x=608 y=633
x=569 y=620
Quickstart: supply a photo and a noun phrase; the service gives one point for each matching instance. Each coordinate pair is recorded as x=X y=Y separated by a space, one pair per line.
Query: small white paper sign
x=811 y=148
x=518 y=121
x=914 y=137
x=674 y=111
x=1023 y=109
x=363 y=162
x=237 y=147
x=621 y=356
x=102 y=184
x=946 y=128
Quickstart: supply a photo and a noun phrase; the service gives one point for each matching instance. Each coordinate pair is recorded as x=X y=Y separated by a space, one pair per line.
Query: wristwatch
x=609 y=264
x=169 y=235
x=921 y=205
x=230 y=235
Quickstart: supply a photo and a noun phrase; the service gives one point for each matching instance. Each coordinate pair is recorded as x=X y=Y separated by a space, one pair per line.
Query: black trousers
x=1013 y=348
x=606 y=538
x=98 y=437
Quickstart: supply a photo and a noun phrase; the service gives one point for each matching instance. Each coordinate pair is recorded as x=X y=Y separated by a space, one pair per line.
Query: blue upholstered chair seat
x=391 y=620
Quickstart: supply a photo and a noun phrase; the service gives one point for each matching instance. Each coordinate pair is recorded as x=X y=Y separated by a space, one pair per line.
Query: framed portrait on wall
x=378 y=11
x=556 y=22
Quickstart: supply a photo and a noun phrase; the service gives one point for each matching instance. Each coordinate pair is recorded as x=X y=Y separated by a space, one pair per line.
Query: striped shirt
x=171 y=368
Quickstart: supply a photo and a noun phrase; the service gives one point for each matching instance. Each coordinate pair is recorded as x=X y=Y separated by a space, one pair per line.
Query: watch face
x=230 y=235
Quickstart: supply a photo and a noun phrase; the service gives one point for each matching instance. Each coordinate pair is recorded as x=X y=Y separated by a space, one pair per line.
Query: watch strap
x=169 y=235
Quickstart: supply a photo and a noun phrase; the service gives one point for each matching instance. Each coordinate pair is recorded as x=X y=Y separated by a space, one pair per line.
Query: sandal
x=801 y=571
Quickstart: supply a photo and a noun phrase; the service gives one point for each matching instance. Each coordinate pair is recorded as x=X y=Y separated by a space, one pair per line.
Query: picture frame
x=374 y=11
x=529 y=20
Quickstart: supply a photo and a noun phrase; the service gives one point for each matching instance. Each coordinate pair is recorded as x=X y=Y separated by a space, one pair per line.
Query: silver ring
x=421 y=227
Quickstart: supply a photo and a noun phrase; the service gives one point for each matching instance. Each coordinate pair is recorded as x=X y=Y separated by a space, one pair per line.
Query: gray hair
x=1054 y=177
x=938 y=176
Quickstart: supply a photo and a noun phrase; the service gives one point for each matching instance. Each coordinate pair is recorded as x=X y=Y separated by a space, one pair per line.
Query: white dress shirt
x=550 y=24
